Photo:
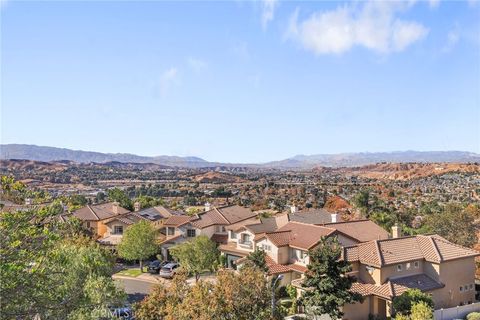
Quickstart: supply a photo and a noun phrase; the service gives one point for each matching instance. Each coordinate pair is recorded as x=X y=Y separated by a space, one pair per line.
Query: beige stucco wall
x=111 y=226
x=357 y=311
x=454 y=274
x=345 y=242
x=365 y=276
x=390 y=272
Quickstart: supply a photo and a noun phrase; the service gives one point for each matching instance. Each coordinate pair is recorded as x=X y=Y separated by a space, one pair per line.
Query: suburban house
x=286 y=242
x=95 y=216
x=213 y=223
x=386 y=268
x=117 y=224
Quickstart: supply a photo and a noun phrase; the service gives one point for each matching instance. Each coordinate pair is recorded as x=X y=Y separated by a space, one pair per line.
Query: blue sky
x=241 y=81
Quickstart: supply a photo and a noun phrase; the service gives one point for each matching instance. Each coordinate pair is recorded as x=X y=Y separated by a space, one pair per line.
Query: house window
x=266 y=247
x=399 y=268
x=170 y=231
x=88 y=224
x=233 y=235
x=416 y=264
x=245 y=238
x=408 y=266
x=220 y=229
x=117 y=229
x=191 y=233
x=471 y=286
x=461 y=288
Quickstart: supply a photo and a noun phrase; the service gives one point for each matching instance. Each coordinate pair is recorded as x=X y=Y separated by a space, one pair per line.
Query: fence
x=459 y=312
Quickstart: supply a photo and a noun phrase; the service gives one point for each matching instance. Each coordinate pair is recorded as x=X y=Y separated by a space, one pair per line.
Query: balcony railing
x=245 y=244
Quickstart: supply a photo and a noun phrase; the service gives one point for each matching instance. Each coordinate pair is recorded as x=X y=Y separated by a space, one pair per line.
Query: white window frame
x=194 y=233
x=170 y=229
x=399 y=268
x=115 y=228
x=233 y=235
x=461 y=289
x=416 y=264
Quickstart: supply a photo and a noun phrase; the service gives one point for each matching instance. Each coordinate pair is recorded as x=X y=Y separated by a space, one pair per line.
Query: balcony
x=245 y=244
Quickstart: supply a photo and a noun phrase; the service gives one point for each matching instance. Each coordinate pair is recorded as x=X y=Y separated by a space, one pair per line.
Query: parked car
x=169 y=270
x=155 y=266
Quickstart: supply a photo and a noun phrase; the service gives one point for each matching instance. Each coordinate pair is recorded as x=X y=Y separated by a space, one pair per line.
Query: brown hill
x=217 y=177
x=404 y=171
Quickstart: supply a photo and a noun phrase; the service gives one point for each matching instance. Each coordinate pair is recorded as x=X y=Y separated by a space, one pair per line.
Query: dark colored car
x=169 y=270
x=155 y=266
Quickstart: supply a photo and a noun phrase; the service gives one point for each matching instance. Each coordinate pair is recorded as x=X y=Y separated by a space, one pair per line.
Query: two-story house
x=385 y=269
x=117 y=224
x=94 y=217
x=286 y=243
x=213 y=223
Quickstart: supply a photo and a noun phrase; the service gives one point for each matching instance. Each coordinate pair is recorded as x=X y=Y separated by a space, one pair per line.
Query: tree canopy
x=51 y=270
x=138 y=242
x=257 y=257
x=455 y=223
x=235 y=296
x=197 y=255
x=326 y=281
x=403 y=303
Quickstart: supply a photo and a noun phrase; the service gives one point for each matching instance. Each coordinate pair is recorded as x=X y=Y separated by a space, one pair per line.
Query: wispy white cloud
x=372 y=25
x=453 y=36
x=268 y=11
x=196 y=64
x=167 y=79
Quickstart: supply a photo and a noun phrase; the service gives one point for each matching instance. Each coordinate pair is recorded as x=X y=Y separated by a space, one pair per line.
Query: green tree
x=121 y=197
x=47 y=272
x=421 y=311
x=362 y=201
x=197 y=255
x=138 y=242
x=257 y=257
x=454 y=223
x=327 y=280
x=403 y=303
x=148 y=201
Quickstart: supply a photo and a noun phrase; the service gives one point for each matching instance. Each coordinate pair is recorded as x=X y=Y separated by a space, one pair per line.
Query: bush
x=473 y=316
x=403 y=303
x=421 y=311
x=281 y=292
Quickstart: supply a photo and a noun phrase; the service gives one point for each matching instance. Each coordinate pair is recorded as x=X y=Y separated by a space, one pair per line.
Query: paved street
x=135 y=288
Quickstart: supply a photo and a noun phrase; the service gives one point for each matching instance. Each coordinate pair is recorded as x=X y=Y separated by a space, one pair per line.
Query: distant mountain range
x=40 y=153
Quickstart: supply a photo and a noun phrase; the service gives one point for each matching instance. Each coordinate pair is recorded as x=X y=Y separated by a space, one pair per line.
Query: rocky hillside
x=404 y=171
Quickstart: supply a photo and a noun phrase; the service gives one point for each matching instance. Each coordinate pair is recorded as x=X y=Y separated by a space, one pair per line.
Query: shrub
x=473 y=316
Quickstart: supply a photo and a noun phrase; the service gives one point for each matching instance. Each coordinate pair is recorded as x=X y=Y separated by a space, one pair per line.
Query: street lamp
x=274 y=282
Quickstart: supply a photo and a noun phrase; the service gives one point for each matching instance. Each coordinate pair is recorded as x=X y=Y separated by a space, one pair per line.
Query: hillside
x=403 y=171
x=217 y=177
x=46 y=154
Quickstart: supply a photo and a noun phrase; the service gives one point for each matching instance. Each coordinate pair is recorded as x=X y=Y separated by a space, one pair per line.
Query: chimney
x=293 y=209
x=115 y=207
x=396 y=231
x=208 y=206
x=136 y=206
x=334 y=217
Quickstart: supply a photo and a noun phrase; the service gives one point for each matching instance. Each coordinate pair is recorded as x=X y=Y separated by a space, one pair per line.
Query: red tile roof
x=99 y=212
x=360 y=230
x=432 y=248
x=177 y=221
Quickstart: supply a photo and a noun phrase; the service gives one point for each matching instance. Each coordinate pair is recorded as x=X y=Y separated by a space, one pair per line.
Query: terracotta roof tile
x=432 y=248
x=177 y=221
x=360 y=230
x=99 y=212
